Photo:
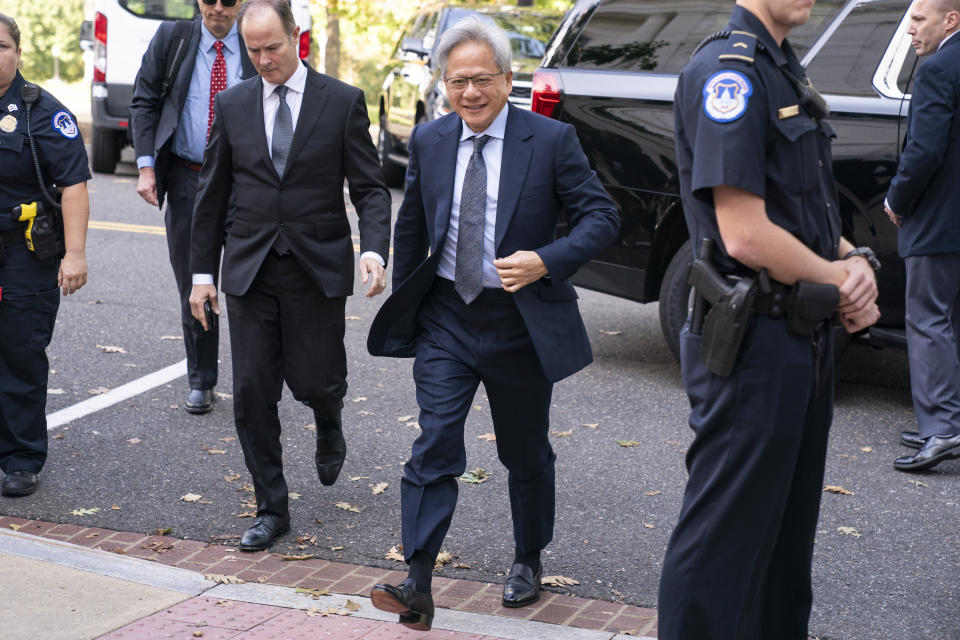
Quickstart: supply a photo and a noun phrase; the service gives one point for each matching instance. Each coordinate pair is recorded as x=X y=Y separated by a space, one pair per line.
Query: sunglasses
x=226 y=3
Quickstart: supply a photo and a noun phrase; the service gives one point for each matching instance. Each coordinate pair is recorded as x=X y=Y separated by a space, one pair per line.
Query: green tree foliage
x=43 y=25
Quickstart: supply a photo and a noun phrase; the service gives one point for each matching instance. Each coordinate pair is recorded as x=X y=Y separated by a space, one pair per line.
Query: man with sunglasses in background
x=185 y=66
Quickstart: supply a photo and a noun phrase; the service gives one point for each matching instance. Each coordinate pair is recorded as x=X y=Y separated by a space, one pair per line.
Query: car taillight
x=304 y=45
x=100 y=48
x=547 y=92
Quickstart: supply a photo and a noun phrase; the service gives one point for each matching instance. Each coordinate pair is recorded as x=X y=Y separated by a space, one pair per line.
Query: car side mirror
x=413 y=45
x=86 y=35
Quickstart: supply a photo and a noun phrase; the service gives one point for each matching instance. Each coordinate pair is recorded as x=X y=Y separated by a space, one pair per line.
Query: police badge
x=725 y=96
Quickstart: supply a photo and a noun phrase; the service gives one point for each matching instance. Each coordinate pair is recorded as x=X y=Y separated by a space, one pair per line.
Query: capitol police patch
x=725 y=96
x=63 y=123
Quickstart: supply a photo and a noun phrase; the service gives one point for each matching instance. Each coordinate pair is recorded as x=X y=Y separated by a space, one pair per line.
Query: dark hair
x=12 y=27
x=280 y=7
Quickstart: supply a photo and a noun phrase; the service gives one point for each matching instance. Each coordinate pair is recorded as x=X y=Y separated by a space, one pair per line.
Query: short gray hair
x=474 y=28
x=280 y=7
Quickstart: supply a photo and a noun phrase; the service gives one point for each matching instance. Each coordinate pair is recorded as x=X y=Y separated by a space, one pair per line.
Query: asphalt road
x=886 y=556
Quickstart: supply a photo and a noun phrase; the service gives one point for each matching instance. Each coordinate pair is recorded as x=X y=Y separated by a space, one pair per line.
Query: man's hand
x=371 y=269
x=894 y=218
x=147 y=186
x=200 y=294
x=73 y=272
x=859 y=290
x=520 y=269
x=855 y=321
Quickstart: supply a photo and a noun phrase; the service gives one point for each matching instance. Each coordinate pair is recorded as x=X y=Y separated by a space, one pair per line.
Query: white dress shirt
x=492 y=157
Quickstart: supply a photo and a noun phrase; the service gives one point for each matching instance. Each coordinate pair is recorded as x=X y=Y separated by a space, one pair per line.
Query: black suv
x=611 y=71
x=413 y=91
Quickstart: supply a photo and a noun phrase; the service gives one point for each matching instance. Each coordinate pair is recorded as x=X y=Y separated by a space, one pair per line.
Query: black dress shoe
x=911 y=439
x=199 y=401
x=20 y=483
x=415 y=607
x=522 y=586
x=331 y=447
x=265 y=529
x=934 y=451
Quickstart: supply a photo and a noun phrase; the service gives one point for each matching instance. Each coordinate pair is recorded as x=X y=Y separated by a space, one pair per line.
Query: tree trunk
x=524 y=3
x=331 y=58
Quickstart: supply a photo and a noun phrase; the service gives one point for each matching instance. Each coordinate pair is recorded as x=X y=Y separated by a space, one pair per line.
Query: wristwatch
x=866 y=253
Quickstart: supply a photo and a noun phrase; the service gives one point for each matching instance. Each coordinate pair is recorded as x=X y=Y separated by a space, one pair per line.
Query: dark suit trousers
x=282 y=329
x=738 y=563
x=201 y=346
x=459 y=347
x=933 y=341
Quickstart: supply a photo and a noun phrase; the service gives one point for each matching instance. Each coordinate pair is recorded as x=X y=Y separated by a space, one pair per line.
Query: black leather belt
x=773 y=304
x=183 y=162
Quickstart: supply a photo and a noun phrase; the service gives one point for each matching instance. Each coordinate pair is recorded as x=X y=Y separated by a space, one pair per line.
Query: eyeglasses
x=480 y=81
x=226 y=3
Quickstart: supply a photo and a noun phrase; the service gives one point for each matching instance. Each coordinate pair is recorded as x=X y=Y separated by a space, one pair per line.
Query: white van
x=118 y=36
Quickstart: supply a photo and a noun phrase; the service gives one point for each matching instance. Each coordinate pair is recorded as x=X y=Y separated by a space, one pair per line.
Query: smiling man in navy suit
x=923 y=202
x=484 y=190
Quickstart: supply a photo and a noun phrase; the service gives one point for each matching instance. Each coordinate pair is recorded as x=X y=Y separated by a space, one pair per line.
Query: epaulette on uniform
x=739 y=45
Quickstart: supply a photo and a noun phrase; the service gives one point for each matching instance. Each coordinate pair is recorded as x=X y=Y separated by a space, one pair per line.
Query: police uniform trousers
x=738 y=562
x=460 y=346
x=283 y=329
x=201 y=346
x=933 y=341
x=29 y=299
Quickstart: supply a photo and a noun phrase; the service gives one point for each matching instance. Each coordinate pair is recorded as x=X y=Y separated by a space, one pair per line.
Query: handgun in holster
x=42 y=232
x=723 y=327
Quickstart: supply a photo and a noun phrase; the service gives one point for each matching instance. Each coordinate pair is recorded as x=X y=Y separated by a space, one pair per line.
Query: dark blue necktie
x=282 y=132
x=468 y=278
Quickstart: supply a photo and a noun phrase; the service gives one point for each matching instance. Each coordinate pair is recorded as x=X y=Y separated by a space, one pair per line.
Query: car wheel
x=674 y=297
x=393 y=173
x=105 y=150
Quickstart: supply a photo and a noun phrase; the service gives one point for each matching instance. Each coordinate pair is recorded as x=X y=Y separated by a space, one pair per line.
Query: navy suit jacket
x=544 y=172
x=153 y=123
x=925 y=189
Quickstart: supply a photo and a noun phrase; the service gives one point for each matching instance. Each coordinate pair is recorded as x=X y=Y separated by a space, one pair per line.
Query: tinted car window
x=627 y=35
x=848 y=63
x=169 y=10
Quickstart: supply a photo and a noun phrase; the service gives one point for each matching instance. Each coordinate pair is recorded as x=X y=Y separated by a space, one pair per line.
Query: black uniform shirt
x=60 y=150
x=739 y=123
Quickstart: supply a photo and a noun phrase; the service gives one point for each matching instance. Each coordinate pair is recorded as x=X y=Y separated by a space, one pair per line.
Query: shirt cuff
x=202 y=278
x=144 y=161
x=374 y=255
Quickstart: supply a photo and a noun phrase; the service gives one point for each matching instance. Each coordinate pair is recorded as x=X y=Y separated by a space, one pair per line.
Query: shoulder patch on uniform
x=725 y=96
x=63 y=123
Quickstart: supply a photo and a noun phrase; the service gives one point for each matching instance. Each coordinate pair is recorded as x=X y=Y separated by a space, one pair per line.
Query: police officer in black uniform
x=755 y=175
x=30 y=287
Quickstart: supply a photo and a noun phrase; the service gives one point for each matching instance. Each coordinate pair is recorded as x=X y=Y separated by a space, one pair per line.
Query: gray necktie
x=282 y=132
x=468 y=278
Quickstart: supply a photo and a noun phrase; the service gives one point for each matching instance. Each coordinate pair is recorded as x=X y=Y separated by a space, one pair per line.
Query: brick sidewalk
x=342 y=578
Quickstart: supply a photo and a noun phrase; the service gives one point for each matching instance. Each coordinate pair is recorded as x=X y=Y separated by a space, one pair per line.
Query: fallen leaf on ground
x=379 y=488
x=917 y=482
x=171 y=337
x=226 y=603
x=414 y=424
x=96 y=391
x=590 y=425
x=352 y=318
x=227 y=439
x=558 y=581
x=653 y=493
x=165 y=531
x=225 y=396
x=262 y=579
x=245 y=514
x=235 y=476
x=628 y=443
x=291 y=557
x=310 y=427
x=489 y=437
x=16 y=527
x=316 y=594
x=849 y=531
x=215 y=452
x=294 y=495
x=648 y=525
x=222 y=579
x=92 y=535
x=115 y=507
x=475 y=476
x=352 y=606
x=866 y=449
x=312 y=611
x=610 y=333
x=835 y=488
x=338 y=547
x=134 y=440
x=85 y=512
x=360 y=399
x=405 y=418
x=395 y=554
x=55 y=392
x=355 y=478
x=630 y=632
x=461 y=565
x=562 y=434
x=158 y=547
x=443 y=558
x=365 y=413
x=477 y=407
x=107 y=348
x=198 y=634
x=59 y=436
x=191 y=497
x=346 y=506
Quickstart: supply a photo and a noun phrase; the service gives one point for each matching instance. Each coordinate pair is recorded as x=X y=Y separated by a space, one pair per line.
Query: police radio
x=44 y=231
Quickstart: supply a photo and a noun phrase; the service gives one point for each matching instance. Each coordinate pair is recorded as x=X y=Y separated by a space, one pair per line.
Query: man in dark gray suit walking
x=923 y=202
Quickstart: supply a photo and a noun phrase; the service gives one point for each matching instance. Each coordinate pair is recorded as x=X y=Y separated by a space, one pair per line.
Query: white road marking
x=121 y=393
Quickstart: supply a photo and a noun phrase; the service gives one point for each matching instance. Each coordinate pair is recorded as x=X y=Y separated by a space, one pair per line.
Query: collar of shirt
x=745 y=20
x=231 y=43
x=497 y=128
x=944 y=41
x=297 y=82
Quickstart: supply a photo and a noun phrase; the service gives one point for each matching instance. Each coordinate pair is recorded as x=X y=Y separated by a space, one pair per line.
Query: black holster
x=809 y=305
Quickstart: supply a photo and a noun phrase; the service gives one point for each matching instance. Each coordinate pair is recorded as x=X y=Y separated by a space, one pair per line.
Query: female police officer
x=30 y=279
